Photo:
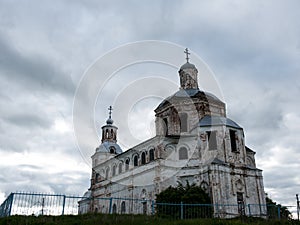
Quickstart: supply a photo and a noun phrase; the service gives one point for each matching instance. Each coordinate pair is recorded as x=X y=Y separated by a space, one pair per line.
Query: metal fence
x=55 y=204
x=39 y=204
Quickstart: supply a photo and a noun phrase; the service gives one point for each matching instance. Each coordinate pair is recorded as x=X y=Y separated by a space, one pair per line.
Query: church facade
x=195 y=142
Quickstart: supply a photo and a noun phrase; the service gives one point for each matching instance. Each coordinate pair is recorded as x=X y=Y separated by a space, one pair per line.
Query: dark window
x=165 y=127
x=143 y=158
x=97 y=177
x=127 y=164
x=112 y=150
x=135 y=161
x=233 y=140
x=183 y=153
x=114 y=209
x=183 y=122
x=114 y=170
x=240 y=201
x=151 y=154
x=212 y=140
x=144 y=208
x=107 y=173
x=123 y=207
x=120 y=167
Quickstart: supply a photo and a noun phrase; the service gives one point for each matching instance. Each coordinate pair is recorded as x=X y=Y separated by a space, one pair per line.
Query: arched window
x=112 y=150
x=151 y=154
x=143 y=158
x=120 y=167
x=114 y=209
x=123 y=207
x=97 y=179
x=107 y=173
x=127 y=164
x=135 y=161
x=114 y=170
x=183 y=153
x=106 y=133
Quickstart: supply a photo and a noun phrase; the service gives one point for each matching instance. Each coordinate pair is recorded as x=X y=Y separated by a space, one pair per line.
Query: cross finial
x=187 y=54
x=109 y=113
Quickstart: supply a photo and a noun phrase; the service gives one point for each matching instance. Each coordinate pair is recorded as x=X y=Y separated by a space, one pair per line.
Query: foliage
x=93 y=219
x=273 y=207
x=181 y=196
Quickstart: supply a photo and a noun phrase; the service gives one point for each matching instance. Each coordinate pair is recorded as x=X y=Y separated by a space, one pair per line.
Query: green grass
x=101 y=219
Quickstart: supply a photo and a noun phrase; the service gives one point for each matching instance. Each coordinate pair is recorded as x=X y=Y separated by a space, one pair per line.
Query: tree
x=273 y=209
x=188 y=201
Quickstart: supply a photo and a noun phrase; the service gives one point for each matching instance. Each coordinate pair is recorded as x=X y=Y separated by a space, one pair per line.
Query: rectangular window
x=165 y=126
x=212 y=140
x=233 y=140
x=240 y=201
x=183 y=122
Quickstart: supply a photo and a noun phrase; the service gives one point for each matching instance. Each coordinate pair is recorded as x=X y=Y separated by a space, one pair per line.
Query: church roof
x=188 y=93
x=208 y=121
x=249 y=150
x=106 y=145
x=218 y=161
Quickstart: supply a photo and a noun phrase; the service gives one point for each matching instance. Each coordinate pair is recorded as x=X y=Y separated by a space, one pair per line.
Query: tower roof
x=187 y=65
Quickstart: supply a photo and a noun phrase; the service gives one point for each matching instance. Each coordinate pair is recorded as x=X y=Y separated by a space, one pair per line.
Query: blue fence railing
x=55 y=204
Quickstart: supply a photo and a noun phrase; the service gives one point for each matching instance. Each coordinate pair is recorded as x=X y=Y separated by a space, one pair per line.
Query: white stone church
x=194 y=142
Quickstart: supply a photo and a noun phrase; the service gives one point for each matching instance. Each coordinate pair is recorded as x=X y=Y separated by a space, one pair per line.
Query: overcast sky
x=252 y=47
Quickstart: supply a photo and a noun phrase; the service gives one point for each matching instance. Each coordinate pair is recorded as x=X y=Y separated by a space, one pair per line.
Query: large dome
x=189 y=94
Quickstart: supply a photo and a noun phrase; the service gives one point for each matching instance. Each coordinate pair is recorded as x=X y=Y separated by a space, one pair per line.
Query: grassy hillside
x=93 y=219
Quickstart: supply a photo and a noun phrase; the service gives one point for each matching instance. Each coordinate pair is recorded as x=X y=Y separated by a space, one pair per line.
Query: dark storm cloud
x=28 y=120
x=32 y=71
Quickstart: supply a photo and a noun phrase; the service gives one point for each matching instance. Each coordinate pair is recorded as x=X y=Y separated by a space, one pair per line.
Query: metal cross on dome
x=110 y=109
x=187 y=54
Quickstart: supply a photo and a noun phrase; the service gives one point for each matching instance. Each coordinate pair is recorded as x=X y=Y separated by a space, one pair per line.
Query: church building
x=195 y=142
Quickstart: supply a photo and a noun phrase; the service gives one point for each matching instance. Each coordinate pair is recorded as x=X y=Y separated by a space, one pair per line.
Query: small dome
x=109 y=121
x=187 y=66
x=106 y=147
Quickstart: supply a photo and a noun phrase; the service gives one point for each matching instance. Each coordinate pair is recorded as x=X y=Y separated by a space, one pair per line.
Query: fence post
x=11 y=199
x=63 y=206
x=152 y=207
x=249 y=208
x=278 y=211
x=110 y=205
x=181 y=210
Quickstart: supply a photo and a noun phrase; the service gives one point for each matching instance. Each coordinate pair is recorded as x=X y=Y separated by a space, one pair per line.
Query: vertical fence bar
x=63 y=206
x=10 y=203
x=249 y=209
x=181 y=210
x=152 y=207
x=110 y=205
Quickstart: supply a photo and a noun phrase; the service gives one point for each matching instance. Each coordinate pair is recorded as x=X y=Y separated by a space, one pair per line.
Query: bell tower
x=109 y=131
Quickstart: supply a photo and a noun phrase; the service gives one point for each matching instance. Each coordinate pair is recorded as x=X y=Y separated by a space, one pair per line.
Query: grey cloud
x=28 y=120
x=32 y=179
x=32 y=72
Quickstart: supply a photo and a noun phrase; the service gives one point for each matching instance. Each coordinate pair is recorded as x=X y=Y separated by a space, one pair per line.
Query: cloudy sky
x=46 y=48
